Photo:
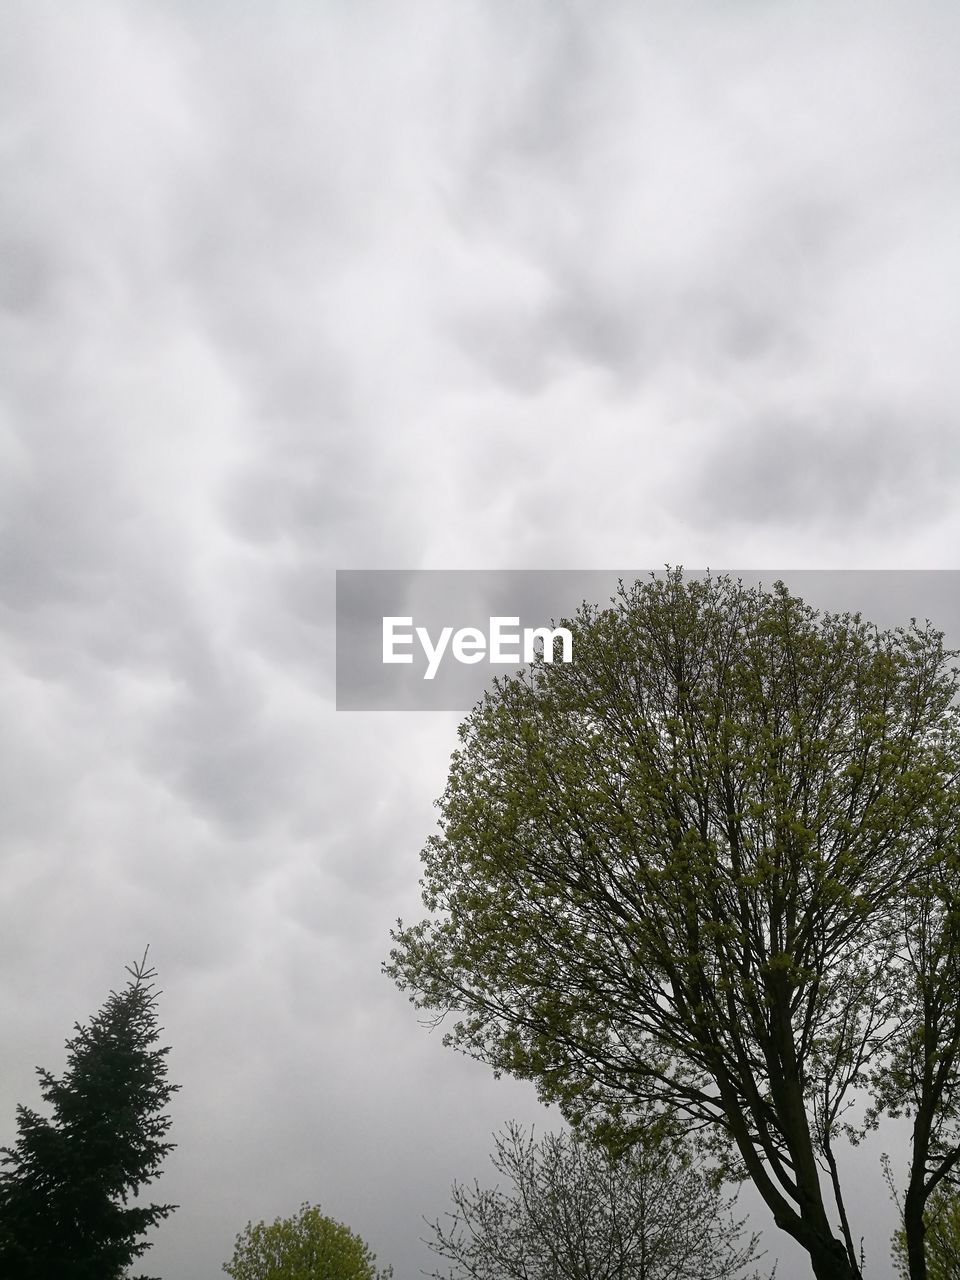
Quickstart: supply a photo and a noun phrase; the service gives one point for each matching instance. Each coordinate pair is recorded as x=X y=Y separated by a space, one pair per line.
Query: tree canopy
x=576 y=1210
x=66 y=1183
x=306 y=1246
x=708 y=871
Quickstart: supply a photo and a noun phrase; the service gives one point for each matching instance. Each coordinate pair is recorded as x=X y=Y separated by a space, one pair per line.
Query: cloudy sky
x=291 y=287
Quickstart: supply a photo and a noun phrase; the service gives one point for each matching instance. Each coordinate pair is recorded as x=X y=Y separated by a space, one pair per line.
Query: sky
x=292 y=288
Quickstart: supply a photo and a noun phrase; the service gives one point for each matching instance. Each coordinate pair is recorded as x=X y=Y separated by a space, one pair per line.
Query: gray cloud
x=284 y=290
x=841 y=467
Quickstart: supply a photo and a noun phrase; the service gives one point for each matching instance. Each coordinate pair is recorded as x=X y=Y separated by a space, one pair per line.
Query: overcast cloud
x=292 y=287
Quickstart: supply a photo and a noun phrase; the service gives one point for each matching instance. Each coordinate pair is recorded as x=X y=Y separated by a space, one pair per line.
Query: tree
x=941 y=1238
x=686 y=875
x=308 y=1246
x=577 y=1211
x=66 y=1182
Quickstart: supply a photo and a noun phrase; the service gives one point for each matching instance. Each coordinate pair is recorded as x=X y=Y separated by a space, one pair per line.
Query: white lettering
x=532 y=634
x=391 y=639
x=499 y=637
x=433 y=654
x=469 y=645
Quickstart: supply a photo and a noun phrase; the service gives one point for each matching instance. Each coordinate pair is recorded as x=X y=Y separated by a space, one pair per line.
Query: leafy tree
x=708 y=871
x=308 y=1246
x=65 y=1185
x=577 y=1211
x=941 y=1238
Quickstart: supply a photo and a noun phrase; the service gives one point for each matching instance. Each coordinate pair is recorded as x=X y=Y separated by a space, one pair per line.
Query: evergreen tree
x=66 y=1183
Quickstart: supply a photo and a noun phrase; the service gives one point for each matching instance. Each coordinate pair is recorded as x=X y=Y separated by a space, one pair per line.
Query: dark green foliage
x=66 y=1183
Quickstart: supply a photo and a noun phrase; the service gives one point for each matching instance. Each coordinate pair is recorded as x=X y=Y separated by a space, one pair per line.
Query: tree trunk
x=915 y=1230
x=830 y=1261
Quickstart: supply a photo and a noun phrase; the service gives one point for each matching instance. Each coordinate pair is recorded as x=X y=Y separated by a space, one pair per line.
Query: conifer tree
x=66 y=1184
